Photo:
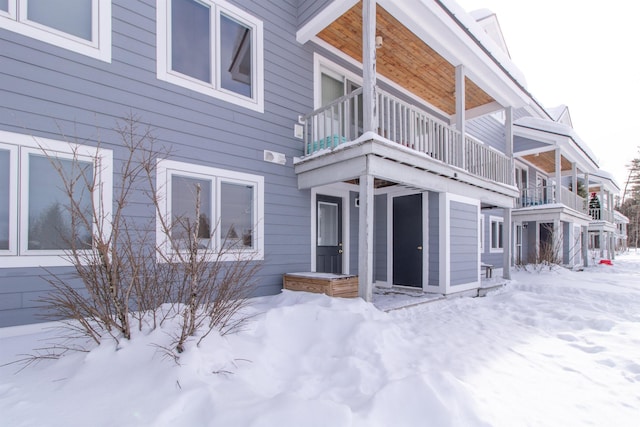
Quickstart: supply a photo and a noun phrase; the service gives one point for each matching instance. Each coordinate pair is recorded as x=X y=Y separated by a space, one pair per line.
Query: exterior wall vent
x=273 y=157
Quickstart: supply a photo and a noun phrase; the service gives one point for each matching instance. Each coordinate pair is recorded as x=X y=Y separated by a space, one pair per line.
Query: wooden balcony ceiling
x=404 y=58
x=547 y=161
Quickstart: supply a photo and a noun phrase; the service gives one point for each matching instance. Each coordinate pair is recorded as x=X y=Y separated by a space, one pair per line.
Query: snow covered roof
x=557 y=129
x=606 y=176
x=620 y=217
x=560 y=114
x=475 y=29
x=489 y=22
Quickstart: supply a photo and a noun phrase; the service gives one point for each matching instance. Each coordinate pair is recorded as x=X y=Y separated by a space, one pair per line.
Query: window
x=230 y=214
x=212 y=47
x=496 y=234
x=35 y=227
x=83 y=26
x=328 y=224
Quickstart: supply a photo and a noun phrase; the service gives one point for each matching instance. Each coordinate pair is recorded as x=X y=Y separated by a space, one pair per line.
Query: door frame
x=340 y=191
x=425 y=235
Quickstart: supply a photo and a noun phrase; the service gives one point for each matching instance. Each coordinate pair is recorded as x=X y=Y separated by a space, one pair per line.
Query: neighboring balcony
x=540 y=196
x=340 y=122
x=599 y=214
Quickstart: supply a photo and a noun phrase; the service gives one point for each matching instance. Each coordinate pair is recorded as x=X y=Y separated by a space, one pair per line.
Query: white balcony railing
x=407 y=125
x=544 y=195
x=572 y=200
x=599 y=214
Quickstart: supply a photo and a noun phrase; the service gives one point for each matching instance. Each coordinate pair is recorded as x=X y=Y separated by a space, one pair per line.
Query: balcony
x=402 y=123
x=599 y=214
x=539 y=196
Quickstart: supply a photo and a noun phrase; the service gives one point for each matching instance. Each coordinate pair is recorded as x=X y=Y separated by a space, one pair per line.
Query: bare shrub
x=127 y=275
x=549 y=253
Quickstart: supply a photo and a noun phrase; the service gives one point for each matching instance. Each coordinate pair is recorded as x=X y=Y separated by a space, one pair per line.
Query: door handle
x=420 y=247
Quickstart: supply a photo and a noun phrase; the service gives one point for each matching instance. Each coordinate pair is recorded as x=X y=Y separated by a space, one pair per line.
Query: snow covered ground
x=553 y=348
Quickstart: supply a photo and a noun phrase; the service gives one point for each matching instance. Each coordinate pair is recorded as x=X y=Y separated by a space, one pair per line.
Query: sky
x=584 y=54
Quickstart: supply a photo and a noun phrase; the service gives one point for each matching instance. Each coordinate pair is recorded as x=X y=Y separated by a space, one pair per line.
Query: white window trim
x=167 y=168
x=323 y=65
x=99 y=48
x=20 y=147
x=163 y=51
x=349 y=60
x=482 y=220
x=500 y=220
x=13 y=199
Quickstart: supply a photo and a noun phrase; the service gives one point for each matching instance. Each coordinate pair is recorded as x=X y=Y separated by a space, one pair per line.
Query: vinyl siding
x=523 y=144
x=464 y=243
x=434 y=239
x=488 y=130
x=380 y=238
x=59 y=94
x=307 y=9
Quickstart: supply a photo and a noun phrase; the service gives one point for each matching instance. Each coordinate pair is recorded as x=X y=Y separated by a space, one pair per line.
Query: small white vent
x=273 y=157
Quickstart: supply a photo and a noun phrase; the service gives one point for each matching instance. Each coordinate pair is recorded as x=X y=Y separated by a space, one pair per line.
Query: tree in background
x=630 y=205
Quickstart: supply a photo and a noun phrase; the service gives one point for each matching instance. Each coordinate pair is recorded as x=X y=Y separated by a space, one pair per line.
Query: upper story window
x=35 y=224
x=212 y=47
x=83 y=26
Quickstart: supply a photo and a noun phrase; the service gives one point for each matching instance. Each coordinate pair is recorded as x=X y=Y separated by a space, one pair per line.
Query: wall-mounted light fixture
x=378 y=42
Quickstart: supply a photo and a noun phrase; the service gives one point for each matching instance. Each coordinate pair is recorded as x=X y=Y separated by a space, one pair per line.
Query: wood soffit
x=404 y=58
x=547 y=161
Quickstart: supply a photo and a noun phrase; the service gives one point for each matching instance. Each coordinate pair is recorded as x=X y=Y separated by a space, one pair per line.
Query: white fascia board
x=604 y=178
x=323 y=19
x=428 y=21
x=573 y=148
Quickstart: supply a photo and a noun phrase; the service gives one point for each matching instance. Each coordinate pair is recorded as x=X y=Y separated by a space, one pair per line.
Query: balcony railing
x=599 y=214
x=544 y=195
x=572 y=200
x=409 y=126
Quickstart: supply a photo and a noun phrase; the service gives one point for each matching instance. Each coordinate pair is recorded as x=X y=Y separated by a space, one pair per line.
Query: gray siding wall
x=48 y=91
x=567 y=244
x=434 y=239
x=521 y=144
x=379 y=236
x=526 y=245
x=354 y=216
x=488 y=130
x=531 y=236
x=307 y=9
x=464 y=243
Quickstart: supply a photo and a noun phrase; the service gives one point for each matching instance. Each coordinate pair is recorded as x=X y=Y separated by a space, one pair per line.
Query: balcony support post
x=460 y=112
x=507 y=243
x=508 y=132
x=585 y=245
x=369 y=98
x=365 y=237
x=602 y=211
x=574 y=178
x=557 y=198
